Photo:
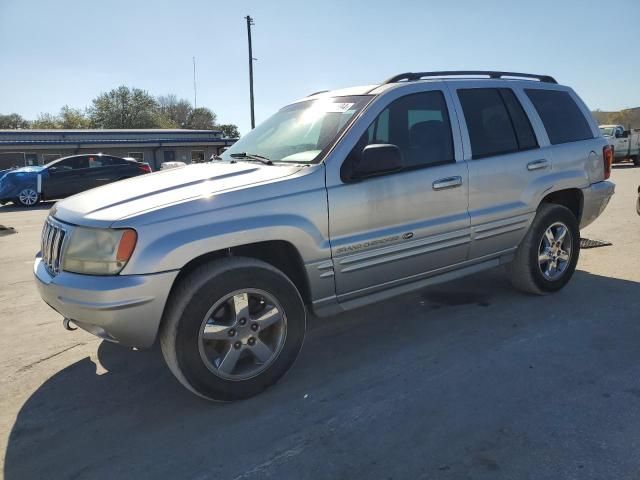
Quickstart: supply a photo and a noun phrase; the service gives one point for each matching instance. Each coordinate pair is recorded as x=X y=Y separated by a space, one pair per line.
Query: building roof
x=42 y=138
x=106 y=130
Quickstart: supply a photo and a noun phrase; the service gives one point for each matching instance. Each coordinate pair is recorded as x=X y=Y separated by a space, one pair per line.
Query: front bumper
x=595 y=199
x=125 y=309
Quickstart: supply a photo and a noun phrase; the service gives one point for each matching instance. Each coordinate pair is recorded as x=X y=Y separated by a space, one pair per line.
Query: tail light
x=144 y=168
x=607 y=158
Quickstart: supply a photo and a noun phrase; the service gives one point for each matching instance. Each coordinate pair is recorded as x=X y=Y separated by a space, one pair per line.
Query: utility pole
x=195 y=91
x=249 y=23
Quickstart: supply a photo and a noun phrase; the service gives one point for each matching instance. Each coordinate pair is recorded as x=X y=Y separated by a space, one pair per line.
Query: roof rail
x=411 y=76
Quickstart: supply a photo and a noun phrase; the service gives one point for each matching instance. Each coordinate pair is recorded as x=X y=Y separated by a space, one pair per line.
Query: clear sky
x=57 y=52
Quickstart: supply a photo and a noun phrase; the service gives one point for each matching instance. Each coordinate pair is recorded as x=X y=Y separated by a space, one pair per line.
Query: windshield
x=298 y=133
x=607 y=131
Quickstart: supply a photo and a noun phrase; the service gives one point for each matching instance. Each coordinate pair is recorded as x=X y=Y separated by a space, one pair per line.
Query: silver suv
x=340 y=199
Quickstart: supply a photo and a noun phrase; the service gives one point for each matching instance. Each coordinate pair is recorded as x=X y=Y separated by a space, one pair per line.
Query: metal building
x=154 y=146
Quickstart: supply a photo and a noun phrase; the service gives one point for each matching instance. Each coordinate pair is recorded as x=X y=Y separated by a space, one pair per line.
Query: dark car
x=64 y=177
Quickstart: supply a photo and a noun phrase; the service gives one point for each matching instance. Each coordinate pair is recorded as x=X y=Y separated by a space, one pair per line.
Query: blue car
x=64 y=177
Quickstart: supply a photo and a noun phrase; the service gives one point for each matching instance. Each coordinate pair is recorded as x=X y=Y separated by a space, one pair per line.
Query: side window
x=80 y=162
x=65 y=165
x=418 y=124
x=118 y=161
x=95 y=162
x=562 y=119
x=491 y=131
x=378 y=132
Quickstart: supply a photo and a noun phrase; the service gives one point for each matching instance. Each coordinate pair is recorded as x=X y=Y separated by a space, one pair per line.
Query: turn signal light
x=126 y=246
x=607 y=158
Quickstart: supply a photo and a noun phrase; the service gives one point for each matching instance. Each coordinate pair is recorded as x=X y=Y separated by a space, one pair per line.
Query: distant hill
x=629 y=117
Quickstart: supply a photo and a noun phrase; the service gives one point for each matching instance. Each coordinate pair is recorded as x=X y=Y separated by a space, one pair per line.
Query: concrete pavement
x=470 y=379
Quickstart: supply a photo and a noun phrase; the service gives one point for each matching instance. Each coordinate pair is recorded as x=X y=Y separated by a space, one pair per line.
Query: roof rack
x=411 y=76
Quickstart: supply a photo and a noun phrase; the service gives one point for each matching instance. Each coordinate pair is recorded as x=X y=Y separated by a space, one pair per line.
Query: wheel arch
x=572 y=198
x=280 y=254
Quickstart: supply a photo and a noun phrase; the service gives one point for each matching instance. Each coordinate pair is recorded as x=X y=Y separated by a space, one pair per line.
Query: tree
x=73 y=118
x=13 y=121
x=175 y=110
x=46 y=121
x=229 y=130
x=124 y=107
x=201 y=119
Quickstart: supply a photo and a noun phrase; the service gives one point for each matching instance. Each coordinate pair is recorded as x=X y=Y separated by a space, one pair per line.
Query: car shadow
x=14 y=208
x=448 y=370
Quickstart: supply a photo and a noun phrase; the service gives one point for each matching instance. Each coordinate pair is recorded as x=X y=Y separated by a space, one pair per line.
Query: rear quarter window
x=562 y=118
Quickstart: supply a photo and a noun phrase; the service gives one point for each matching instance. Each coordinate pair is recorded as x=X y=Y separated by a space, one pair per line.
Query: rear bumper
x=125 y=309
x=595 y=199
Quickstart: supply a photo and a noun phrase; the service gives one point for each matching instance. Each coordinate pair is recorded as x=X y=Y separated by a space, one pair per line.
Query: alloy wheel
x=242 y=334
x=28 y=197
x=554 y=252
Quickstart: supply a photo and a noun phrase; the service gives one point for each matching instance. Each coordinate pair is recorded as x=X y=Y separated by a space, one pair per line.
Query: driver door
x=403 y=226
x=66 y=177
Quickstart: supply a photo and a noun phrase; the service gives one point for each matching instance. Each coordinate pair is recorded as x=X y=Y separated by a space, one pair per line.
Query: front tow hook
x=66 y=323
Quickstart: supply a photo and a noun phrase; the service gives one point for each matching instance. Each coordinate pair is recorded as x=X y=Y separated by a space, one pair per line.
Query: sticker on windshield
x=338 y=107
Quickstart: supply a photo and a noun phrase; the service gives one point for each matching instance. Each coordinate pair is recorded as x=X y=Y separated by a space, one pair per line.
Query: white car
x=168 y=165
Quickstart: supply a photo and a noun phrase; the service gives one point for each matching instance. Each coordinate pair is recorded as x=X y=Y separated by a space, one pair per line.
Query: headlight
x=96 y=251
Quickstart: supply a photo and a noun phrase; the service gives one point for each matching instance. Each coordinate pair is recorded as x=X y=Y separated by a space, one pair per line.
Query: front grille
x=53 y=236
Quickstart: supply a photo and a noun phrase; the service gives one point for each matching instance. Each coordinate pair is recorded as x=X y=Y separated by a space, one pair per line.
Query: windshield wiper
x=251 y=156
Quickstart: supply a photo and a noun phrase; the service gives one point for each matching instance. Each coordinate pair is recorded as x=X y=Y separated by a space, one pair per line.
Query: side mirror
x=378 y=159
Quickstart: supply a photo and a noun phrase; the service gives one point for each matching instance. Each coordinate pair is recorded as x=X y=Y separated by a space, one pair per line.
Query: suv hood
x=104 y=205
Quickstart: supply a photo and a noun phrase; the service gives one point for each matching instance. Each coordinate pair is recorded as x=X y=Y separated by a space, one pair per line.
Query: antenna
x=195 y=88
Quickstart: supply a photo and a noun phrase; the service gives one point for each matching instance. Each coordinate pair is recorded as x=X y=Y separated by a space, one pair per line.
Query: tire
x=198 y=302
x=636 y=160
x=27 y=197
x=526 y=270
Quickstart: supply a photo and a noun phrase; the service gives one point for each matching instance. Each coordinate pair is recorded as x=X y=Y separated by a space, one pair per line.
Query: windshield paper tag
x=338 y=107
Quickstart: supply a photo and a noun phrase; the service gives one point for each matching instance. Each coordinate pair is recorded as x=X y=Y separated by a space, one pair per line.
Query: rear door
x=103 y=170
x=507 y=164
x=398 y=227
x=124 y=168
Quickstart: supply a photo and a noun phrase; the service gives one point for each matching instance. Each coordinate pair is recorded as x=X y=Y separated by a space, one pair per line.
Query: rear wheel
x=547 y=257
x=28 y=197
x=232 y=328
x=636 y=160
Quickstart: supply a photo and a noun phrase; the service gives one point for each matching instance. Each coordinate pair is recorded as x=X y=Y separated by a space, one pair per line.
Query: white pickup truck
x=626 y=143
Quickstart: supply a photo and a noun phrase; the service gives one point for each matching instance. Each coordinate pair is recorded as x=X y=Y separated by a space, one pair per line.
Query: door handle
x=537 y=165
x=449 y=182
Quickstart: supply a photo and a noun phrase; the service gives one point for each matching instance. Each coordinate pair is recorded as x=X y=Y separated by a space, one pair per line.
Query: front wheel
x=548 y=254
x=28 y=197
x=232 y=328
